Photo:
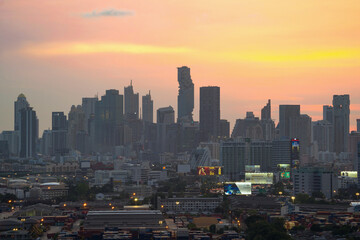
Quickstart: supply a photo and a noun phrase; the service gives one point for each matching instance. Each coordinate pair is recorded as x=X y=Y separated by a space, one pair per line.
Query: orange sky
x=293 y=52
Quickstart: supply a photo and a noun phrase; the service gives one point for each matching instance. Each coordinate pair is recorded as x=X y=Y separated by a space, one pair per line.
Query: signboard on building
x=237 y=188
x=350 y=174
x=295 y=153
x=259 y=178
x=209 y=171
x=252 y=168
x=284 y=175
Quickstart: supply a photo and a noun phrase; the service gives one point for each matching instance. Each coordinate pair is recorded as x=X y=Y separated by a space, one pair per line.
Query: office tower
x=266 y=111
x=188 y=136
x=354 y=139
x=59 y=134
x=109 y=121
x=165 y=115
x=46 y=143
x=131 y=103
x=281 y=152
x=358 y=125
x=165 y=120
x=13 y=139
x=300 y=127
x=224 y=128
x=209 y=112
x=20 y=103
x=312 y=180
x=341 y=105
x=249 y=127
x=328 y=113
x=235 y=154
x=323 y=134
x=28 y=132
x=76 y=125
x=147 y=108
x=186 y=95
x=4 y=149
x=88 y=106
x=286 y=112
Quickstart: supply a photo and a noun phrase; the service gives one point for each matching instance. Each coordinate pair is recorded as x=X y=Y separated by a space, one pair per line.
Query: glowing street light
x=293 y=198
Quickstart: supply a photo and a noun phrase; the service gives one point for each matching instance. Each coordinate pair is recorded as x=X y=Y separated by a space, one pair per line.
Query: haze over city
x=56 y=52
x=179 y=120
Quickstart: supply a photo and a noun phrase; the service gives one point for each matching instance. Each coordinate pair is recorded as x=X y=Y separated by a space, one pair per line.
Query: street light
x=293 y=199
x=357 y=195
x=280 y=193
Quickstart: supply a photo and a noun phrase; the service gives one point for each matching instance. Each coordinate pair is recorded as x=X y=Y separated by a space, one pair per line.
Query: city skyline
x=253 y=50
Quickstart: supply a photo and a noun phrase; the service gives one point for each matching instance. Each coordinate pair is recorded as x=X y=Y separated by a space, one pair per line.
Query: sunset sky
x=292 y=52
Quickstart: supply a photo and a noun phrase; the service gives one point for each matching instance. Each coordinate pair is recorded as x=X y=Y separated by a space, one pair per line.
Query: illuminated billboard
x=237 y=188
x=209 y=171
x=283 y=167
x=259 y=178
x=284 y=175
x=295 y=152
x=350 y=174
x=252 y=168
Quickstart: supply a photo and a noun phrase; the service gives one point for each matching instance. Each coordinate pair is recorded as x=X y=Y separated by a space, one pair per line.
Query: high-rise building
x=224 y=128
x=20 y=103
x=235 y=154
x=323 y=134
x=300 y=127
x=131 y=103
x=266 y=111
x=186 y=95
x=76 y=126
x=281 y=152
x=358 y=125
x=59 y=133
x=13 y=139
x=354 y=139
x=209 y=112
x=287 y=112
x=109 y=121
x=328 y=113
x=165 y=121
x=147 y=108
x=341 y=105
x=28 y=132
x=312 y=180
x=165 y=115
x=250 y=127
x=88 y=106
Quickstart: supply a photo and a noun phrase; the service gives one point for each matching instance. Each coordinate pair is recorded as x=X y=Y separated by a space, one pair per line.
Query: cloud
x=80 y=48
x=108 y=13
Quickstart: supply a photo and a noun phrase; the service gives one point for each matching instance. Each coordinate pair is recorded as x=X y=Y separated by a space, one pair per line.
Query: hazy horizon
x=57 y=52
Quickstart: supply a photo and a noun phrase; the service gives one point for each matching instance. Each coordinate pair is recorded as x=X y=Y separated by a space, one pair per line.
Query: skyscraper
x=328 y=113
x=209 y=112
x=186 y=95
x=147 y=108
x=19 y=104
x=341 y=105
x=286 y=112
x=109 y=120
x=131 y=103
x=76 y=125
x=59 y=133
x=358 y=125
x=88 y=106
x=28 y=132
x=165 y=115
x=266 y=111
